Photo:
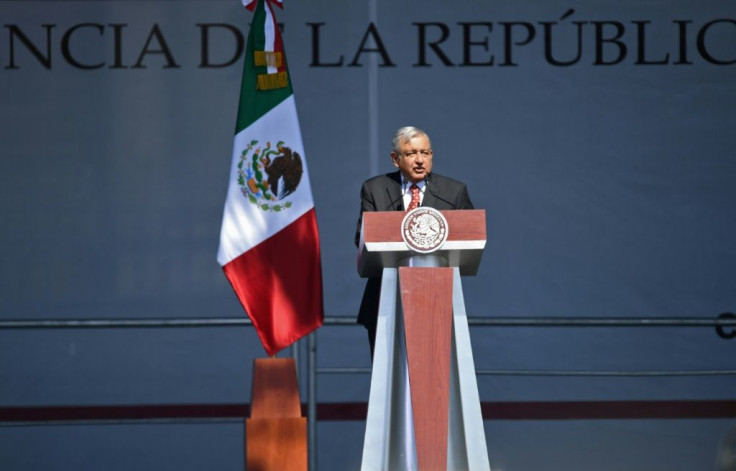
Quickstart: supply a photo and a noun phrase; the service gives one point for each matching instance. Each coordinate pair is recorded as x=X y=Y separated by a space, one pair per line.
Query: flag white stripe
x=244 y=224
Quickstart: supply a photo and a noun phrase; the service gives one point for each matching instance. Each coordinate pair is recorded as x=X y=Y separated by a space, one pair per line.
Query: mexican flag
x=269 y=241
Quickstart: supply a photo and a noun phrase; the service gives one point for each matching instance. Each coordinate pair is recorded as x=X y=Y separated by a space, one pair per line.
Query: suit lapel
x=393 y=190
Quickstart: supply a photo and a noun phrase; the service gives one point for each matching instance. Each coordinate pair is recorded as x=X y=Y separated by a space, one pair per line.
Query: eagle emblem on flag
x=269 y=174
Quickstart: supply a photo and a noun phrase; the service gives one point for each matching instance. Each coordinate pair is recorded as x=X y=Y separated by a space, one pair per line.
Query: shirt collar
x=406 y=184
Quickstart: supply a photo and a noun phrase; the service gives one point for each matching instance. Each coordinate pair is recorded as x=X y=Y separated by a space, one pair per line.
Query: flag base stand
x=276 y=432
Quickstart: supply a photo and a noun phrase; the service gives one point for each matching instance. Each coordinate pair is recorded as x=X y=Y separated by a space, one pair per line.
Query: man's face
x=415 y=158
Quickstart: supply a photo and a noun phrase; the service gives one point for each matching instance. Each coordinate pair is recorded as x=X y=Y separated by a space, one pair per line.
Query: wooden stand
x=276 y=432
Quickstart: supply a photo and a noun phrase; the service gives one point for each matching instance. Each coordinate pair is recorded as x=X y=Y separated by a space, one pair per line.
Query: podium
x=424 y=408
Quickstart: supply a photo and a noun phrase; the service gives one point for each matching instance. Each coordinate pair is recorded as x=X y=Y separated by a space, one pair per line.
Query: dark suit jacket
x=383 y=193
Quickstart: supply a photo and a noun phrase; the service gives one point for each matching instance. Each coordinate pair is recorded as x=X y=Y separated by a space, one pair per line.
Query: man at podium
x=414 y=184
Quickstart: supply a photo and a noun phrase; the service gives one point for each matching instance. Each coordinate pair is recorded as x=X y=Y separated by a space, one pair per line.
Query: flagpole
x=312 y=400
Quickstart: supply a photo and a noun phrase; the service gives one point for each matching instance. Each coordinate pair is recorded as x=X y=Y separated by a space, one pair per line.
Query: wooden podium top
x=381 y=243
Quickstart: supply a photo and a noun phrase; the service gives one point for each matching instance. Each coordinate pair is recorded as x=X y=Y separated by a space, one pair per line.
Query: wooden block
x=276 y=444
x=276 y=432
x=275 y=392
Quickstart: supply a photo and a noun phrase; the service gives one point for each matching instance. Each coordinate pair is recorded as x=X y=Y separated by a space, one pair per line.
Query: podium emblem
x=424 y=229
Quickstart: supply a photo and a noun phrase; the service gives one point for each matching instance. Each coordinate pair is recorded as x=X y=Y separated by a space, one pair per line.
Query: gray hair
x=405 y=134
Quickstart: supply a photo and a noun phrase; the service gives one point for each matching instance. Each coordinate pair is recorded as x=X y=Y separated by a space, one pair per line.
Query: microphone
x=428 y=188
x=396 y=200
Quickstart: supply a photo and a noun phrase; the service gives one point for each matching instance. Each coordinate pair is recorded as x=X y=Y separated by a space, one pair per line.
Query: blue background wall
x=608 y=184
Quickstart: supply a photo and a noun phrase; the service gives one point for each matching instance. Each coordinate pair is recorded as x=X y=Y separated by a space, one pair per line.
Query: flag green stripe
x=255 y=103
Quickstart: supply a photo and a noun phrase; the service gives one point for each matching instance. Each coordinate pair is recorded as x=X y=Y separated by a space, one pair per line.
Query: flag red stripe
x=279 y=283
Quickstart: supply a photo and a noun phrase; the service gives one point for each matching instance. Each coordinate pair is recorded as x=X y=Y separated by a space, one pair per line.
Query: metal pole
x=295 y=356
x=312 y=400
x=134 y=323
x=373 y=152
